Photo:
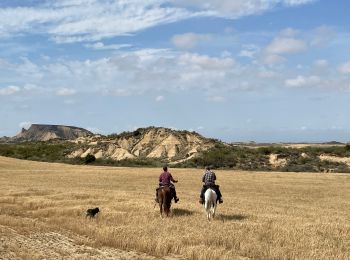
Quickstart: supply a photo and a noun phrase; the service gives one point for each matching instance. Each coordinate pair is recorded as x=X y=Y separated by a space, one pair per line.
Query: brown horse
x=164 y=197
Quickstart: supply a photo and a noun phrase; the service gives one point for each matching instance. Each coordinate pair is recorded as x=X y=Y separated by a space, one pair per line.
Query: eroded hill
x=151 y=142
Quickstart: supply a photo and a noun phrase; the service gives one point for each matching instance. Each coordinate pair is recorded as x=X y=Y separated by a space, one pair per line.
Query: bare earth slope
x=152 y=142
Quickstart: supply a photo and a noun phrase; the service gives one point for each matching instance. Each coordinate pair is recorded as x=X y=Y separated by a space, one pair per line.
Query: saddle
x=171 y=187
x=161 y=186
x=211 y=185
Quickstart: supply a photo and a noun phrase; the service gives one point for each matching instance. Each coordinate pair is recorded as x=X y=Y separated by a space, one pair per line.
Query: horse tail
x=210 y=203
x=164 y=201
x=160 y=201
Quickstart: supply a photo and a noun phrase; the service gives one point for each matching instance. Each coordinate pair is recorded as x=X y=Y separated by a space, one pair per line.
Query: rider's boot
x=176 y=199
x=220 y=200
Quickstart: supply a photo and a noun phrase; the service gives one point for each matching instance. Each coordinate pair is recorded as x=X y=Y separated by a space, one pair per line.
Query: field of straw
x=264 y=215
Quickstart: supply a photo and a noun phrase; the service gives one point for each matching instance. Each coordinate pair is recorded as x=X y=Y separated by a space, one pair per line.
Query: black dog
x=92 y=212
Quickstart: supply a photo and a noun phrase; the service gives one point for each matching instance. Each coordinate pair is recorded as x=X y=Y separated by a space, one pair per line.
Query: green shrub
x=90 y=158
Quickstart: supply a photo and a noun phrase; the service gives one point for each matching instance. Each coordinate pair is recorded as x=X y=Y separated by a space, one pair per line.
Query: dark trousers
x=214 y=187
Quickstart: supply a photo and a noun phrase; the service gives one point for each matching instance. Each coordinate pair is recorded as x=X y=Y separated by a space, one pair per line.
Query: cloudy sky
x=242 y=70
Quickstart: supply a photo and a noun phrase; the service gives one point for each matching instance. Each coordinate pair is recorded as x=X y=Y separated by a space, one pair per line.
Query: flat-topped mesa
x=42 y=132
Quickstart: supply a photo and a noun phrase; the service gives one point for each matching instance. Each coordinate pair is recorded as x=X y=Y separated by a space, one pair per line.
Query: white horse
x=210 y=203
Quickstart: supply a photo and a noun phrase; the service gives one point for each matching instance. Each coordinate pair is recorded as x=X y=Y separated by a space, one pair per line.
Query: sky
x=238 y=71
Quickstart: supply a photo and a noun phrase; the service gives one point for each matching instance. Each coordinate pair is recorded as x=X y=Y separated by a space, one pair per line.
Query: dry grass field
x=264 y=215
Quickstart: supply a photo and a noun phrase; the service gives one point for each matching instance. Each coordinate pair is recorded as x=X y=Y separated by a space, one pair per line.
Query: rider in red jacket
x=166 y=179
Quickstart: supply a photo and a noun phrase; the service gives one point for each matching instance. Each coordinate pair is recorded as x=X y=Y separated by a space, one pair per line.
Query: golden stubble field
x=264 y=215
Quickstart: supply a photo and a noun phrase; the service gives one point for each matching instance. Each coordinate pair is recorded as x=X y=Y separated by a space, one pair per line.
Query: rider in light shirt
x=209 y=179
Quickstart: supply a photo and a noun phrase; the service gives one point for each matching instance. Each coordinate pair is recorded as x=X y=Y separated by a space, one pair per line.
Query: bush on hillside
x=90 y=158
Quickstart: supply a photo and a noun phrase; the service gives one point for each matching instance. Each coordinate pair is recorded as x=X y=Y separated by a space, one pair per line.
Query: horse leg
x=207 y=209
x=214 y=209
x=165 y=208
x=161 y=207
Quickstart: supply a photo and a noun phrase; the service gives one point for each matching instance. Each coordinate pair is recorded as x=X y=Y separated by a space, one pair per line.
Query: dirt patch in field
x=53 y=245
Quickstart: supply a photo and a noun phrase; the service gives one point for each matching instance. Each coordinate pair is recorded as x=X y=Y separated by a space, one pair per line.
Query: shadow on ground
x=182 y=212
x=224 y=217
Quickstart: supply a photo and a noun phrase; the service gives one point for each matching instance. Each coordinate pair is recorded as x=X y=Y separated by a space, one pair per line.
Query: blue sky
x=243 y=70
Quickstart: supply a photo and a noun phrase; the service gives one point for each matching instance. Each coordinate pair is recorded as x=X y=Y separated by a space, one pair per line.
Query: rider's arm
x=172 y=179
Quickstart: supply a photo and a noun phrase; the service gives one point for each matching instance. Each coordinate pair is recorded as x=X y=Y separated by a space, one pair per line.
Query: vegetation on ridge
x=221 y=156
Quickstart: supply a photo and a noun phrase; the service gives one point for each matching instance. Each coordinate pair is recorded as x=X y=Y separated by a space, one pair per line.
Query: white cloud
x=9 y=90
x=301 y=81
x=340 y=84
x=321 y=63
x=93 y=20
x=226 y=54
x=246 y=53
x=25 y=125
x=188 y=40
x=102 y=46
x=297 y=2
x=237 y=8
x=205 y=62
x=158 y=71
x=249 y=50
x=159 y=98
x=282 y=45
x=321 y=36
x=94 y=130
x=265 y=73
x=70 y=102
x=216 y=99
x=144 y=71
x=87 y=20
x=65 y=92
x=273 y=59
x=289 y=32
x=344 y=68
